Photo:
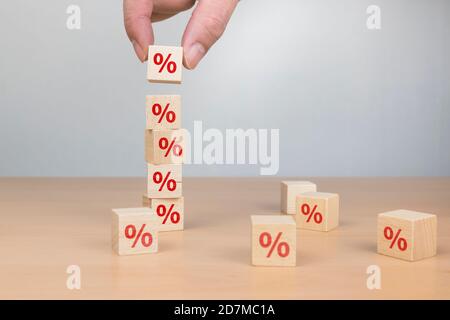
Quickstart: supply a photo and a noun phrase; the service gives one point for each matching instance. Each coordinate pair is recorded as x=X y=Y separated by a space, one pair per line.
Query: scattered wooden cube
x=290 y=190
x=170 y=212
x=164 y=64
x=407 y=235
x=164 y=181
x=317 y=211
x=273 y=240
x=163 y=112
x=134 y=231
x=164 y=146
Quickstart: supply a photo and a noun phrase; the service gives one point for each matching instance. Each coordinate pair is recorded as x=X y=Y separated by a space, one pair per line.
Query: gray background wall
x=347 y=100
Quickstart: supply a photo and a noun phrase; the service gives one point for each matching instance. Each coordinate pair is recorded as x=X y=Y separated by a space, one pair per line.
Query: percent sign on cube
x=265 y=240
x=170 y=147
x=395 y=239
x=145 y=238
x=317 y=211
x=164 y=146
x=134 y=230
x=163 y=112
x=273 y=240
x=170 y=212
x=164 y=181
x=164 y=64
x=311 y=213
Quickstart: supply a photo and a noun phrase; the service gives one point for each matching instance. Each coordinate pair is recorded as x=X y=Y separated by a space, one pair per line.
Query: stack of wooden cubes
x=164 y=143
x=135 y=230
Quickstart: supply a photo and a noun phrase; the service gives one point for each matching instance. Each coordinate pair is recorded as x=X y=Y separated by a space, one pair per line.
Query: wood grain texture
x=47 y=224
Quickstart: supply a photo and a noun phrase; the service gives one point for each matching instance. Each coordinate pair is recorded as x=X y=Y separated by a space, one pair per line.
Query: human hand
x=207 y=23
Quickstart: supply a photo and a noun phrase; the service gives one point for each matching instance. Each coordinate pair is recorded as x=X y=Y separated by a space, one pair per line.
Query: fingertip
x=193 y=54
x=137 y=19
x=141 y=53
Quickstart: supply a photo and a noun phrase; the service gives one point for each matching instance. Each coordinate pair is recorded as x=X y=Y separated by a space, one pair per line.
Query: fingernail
x=194 y=54
x=139 y=52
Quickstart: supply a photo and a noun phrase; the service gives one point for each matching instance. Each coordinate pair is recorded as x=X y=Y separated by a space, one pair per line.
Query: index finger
x=137 y=19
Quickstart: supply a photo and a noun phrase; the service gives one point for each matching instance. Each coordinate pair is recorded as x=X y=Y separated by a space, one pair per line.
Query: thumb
x=138 y=25
x=207 y=24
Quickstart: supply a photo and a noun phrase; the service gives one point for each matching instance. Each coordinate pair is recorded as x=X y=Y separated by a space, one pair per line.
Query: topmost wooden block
x=164 y=64
x=290 y=190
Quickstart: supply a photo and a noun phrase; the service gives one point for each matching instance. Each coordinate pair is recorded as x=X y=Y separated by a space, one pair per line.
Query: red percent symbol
x=265 y=240
x=401 y=242
x=146 y=238
x=162 y=211
x=172 y=147
x=162 y=113
x=306 y=210
x=166 y=63
x=164 y=181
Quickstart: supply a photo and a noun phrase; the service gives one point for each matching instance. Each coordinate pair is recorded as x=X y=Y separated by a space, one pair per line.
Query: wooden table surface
x=49 y=223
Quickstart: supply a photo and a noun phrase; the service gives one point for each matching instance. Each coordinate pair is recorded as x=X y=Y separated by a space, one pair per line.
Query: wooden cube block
x=407 y=235
x=289 y=192
x=164 y=146
x=164 y=64
x=317 y=211
x=170 y=212
x=146 y=201
x=134 y=231
x=163 y=112
x=273 y=240
x=164 y=181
